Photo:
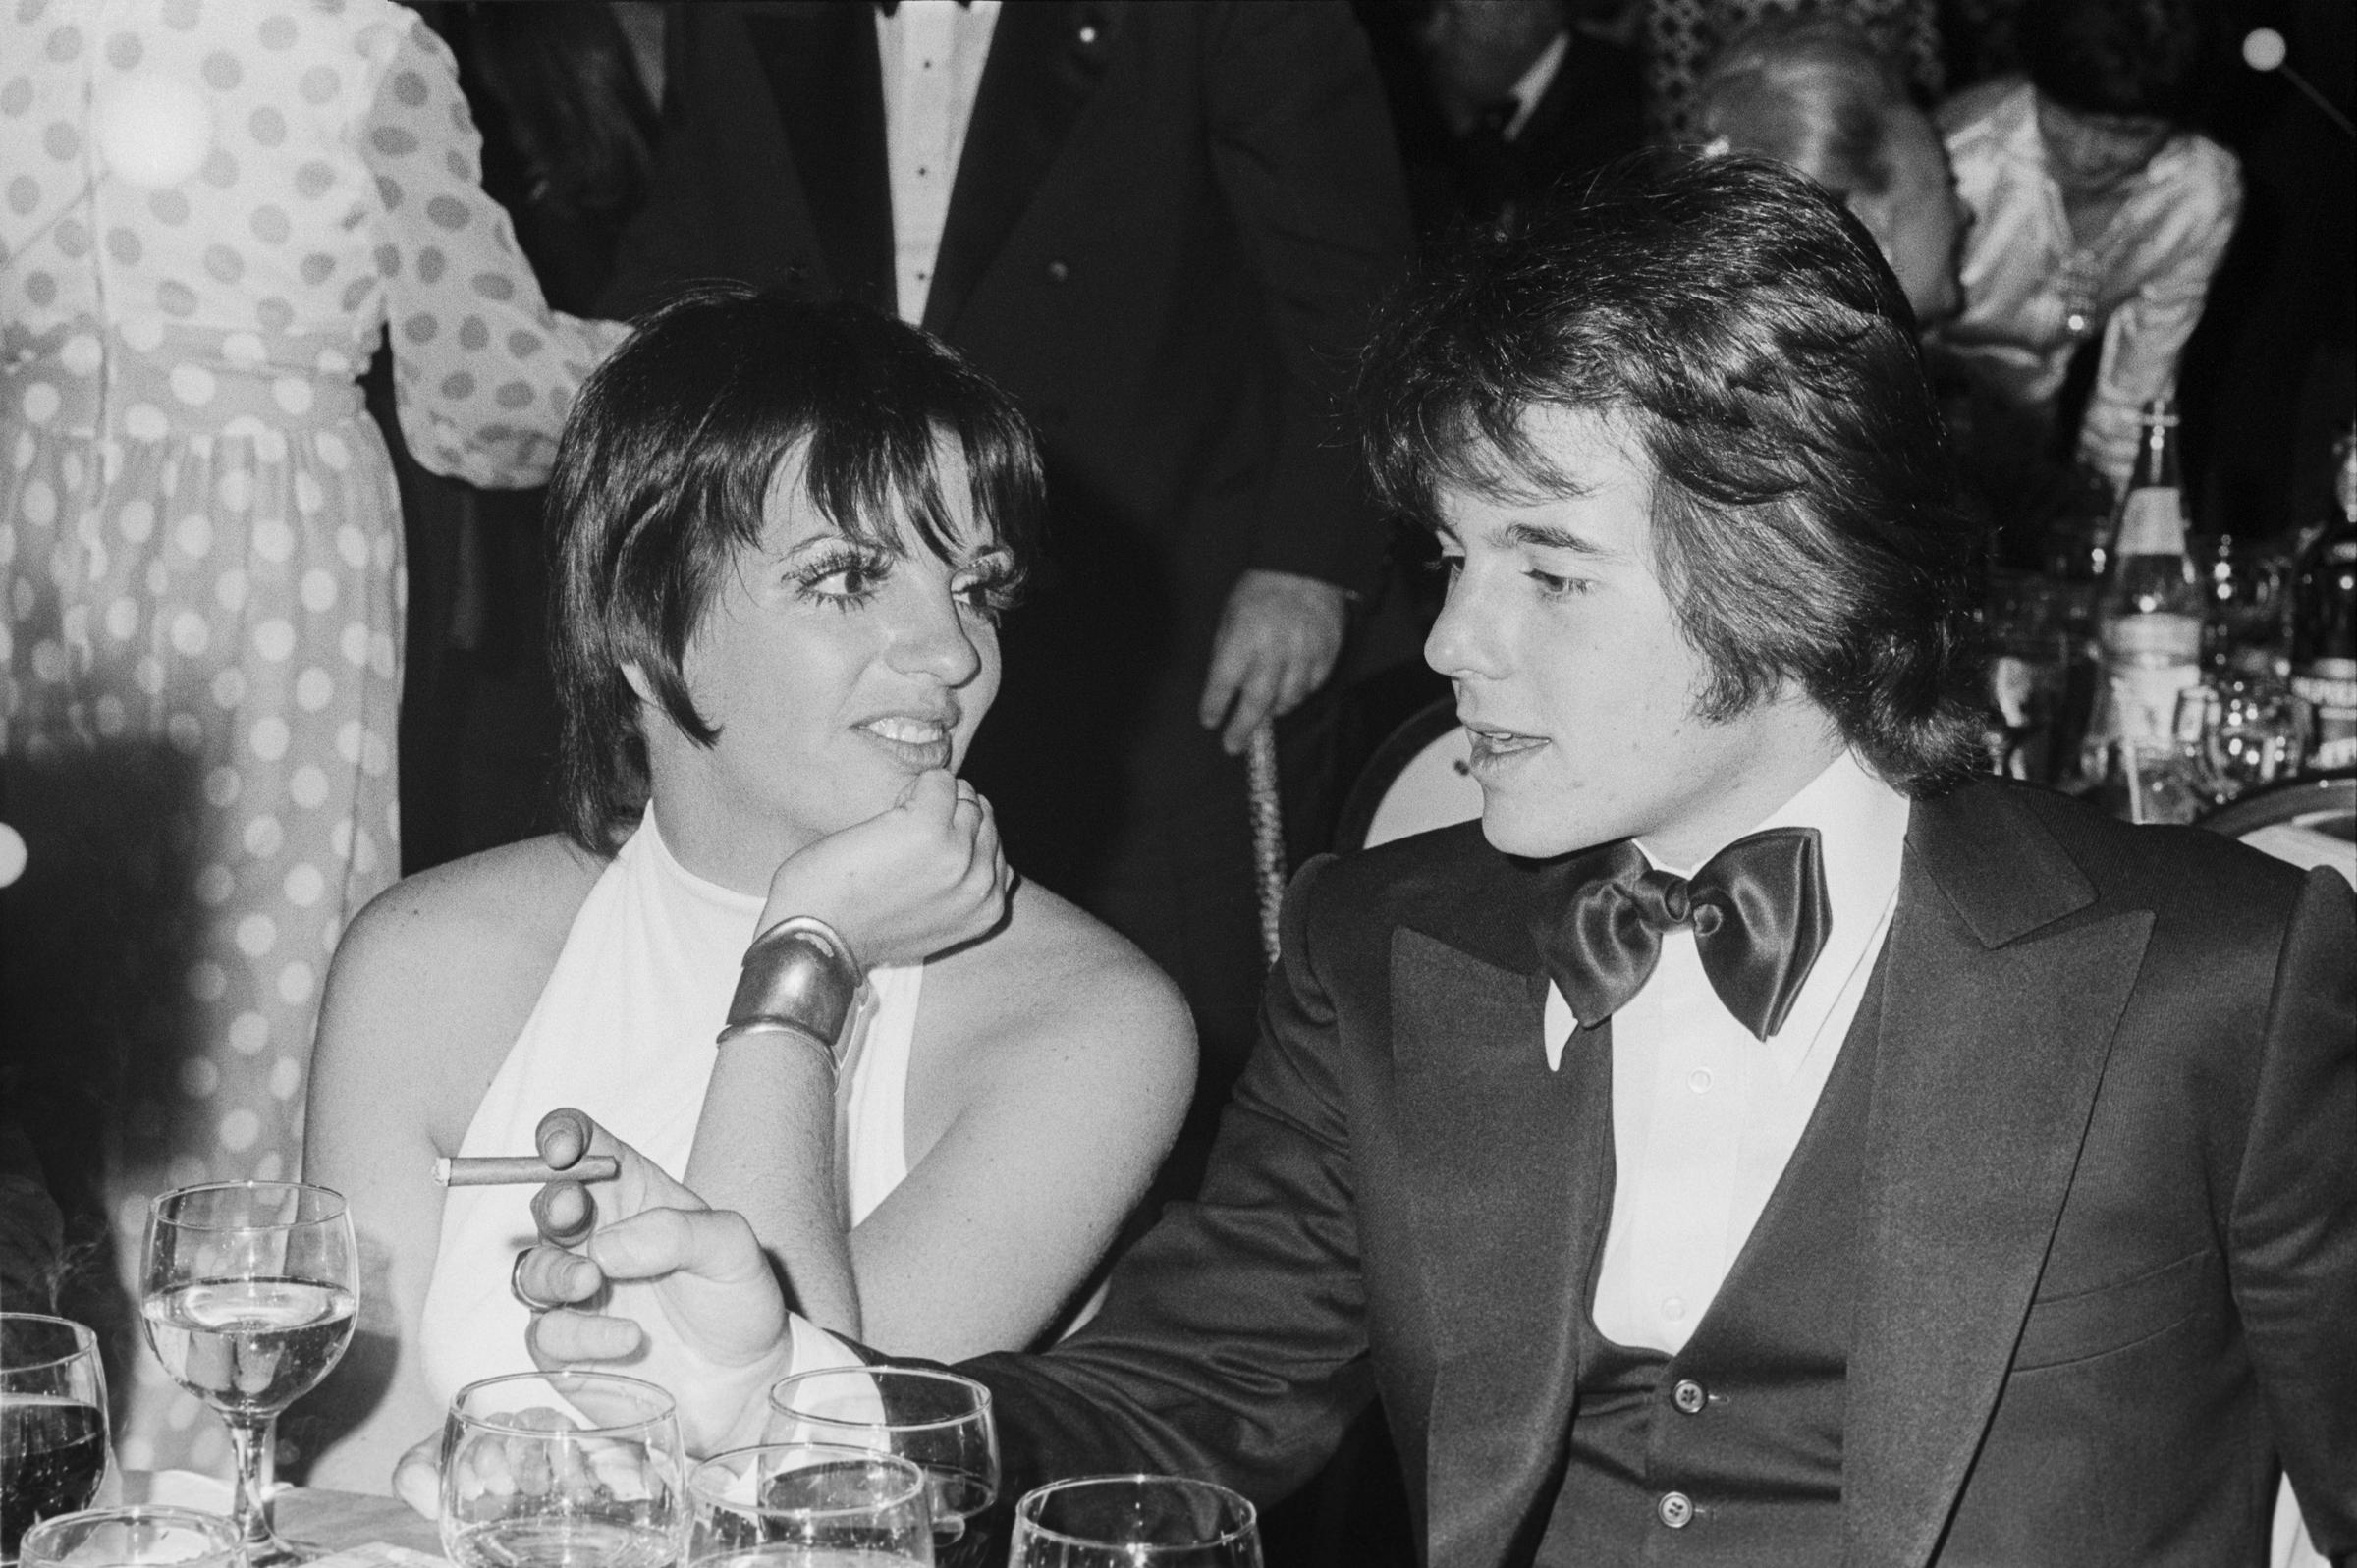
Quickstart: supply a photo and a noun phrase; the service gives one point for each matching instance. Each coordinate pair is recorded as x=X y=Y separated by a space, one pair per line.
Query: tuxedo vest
x=1730 y=1452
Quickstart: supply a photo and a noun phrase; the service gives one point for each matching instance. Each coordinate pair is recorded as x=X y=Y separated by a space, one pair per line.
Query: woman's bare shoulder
x=482 y=915
x=435 y=977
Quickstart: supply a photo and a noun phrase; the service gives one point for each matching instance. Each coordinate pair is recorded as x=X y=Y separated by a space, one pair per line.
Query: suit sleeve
x=2293 y=1246
x=1231 y=1344
x=1301 y=146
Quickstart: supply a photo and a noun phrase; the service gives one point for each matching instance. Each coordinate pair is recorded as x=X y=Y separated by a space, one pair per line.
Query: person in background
x=1815 y=94
x=33 y=1238
x=213 y=212
x=1161 y=228
x=1683 y=37
x=2098 y=215
x=1531 y=96
x=567 y=97
x=785 y=536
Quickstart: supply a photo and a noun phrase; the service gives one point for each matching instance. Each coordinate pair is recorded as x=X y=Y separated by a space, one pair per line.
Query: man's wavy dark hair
x=666 y=467
x=1742 y=331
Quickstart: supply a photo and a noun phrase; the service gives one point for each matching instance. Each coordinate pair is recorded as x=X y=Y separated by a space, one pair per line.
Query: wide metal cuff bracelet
x=798 y=973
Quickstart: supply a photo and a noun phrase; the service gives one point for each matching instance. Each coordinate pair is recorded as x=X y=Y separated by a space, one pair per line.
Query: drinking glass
x=2244 y=583
x=2250 y=733
x=561 y=1470
x=809 y=1505
x=52 y=1422
x=2040 y=674
x=133 y=1538
x=937 y=1421
x=1134 y=1522
x=248 y=1300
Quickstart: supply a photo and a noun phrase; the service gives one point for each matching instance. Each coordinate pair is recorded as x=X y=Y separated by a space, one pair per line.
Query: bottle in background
x=2323 y=626
x=2149 y=619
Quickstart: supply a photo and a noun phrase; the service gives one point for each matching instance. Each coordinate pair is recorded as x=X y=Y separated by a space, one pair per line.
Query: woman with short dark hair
x=2098 y=212
x=785 y=535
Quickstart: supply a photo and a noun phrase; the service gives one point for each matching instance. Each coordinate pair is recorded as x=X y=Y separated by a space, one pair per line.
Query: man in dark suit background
x=1761 y=1139
x=1161 y=228
x=1529 y=94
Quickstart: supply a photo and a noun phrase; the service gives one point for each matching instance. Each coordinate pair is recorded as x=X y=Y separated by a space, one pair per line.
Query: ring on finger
x=515 y=1284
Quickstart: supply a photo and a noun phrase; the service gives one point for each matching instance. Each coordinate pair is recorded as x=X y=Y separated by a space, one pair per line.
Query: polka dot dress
x=209 y=211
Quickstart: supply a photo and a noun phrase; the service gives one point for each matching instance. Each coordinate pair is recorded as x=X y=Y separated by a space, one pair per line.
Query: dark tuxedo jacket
x=2108 y=1259
x=1168 y=227
x=1591 y=114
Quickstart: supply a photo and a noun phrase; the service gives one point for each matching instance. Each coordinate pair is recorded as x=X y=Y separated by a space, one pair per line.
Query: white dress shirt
x=1532 y=84
x=1705 y=1118
x=2033 y=290
x=932 y=52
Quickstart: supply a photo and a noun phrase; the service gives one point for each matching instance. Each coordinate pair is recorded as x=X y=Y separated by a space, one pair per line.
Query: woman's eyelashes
x=844 y=575
x=849 y=574
x=991 y=588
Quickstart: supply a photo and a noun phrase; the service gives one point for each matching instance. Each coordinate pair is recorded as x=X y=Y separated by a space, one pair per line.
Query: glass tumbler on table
x=809 y=1505
x=52 y=1422
x=248 y=1301
x=561 y=1470
x=1134 y=1522
x=133 y=1537
x=937 y=1421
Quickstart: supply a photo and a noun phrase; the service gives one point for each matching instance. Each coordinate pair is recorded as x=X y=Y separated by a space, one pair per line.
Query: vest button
x=1676 y=1509
x=1688 y=1396
x=1058 y=271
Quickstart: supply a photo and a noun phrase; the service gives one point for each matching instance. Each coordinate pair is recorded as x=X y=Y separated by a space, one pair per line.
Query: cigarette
x=521 y=1170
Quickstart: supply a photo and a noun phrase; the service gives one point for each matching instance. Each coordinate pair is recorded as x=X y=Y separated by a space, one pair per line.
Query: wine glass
x=937 y=1421
x=133 y=1538
x=1134 y=1522
x=248 y=1300
x=52 y=1422
x=561 y=1470
x=809 y=1505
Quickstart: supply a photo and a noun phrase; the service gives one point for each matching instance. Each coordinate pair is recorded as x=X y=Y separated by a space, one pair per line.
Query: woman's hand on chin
x=924 y=875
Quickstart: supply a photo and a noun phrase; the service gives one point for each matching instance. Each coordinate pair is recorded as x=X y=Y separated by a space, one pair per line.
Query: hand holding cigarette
x=563 y=1207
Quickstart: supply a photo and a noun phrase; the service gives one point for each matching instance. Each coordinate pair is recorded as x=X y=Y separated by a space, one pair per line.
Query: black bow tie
x=1758 y=908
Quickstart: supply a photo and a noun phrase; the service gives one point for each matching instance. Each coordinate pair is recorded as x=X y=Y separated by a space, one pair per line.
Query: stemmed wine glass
x=248 y=1300
x=809 y=1505
x=1134 y=1522
x=937 y=1421
x=52 y=1422
x=563 y=1470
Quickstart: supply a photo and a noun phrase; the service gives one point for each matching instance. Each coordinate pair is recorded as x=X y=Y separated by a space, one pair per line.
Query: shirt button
x=1675 y=1509
x=1700 y=1081
x=1674 y=1307
x=1057 y=272
x=1688 y=1396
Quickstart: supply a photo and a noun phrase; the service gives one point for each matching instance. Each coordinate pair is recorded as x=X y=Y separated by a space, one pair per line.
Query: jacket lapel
x=828 y=84
x=1996 y=1023
x=1509 y=1175
x=1045 y=62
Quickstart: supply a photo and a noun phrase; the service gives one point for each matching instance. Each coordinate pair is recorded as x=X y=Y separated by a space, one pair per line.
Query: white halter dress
x=624 y=1030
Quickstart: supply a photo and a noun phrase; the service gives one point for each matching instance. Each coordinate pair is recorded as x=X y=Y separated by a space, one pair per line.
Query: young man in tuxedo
x=1760 y=1139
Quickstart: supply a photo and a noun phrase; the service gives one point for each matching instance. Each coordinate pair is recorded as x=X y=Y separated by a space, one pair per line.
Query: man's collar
x=1533 y=84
